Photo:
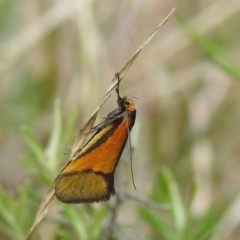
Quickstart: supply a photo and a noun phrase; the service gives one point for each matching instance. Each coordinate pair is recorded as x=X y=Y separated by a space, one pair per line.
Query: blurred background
x=58 y=57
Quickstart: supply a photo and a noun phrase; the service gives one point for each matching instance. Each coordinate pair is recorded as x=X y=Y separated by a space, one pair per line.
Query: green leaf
x=213 y=49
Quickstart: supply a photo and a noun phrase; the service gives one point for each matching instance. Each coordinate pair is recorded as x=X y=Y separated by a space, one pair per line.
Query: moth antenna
x=131 y=161
x=117 y=90
x=129 y=138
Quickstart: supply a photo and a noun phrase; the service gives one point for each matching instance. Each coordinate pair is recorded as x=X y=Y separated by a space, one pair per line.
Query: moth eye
x=127 y=103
